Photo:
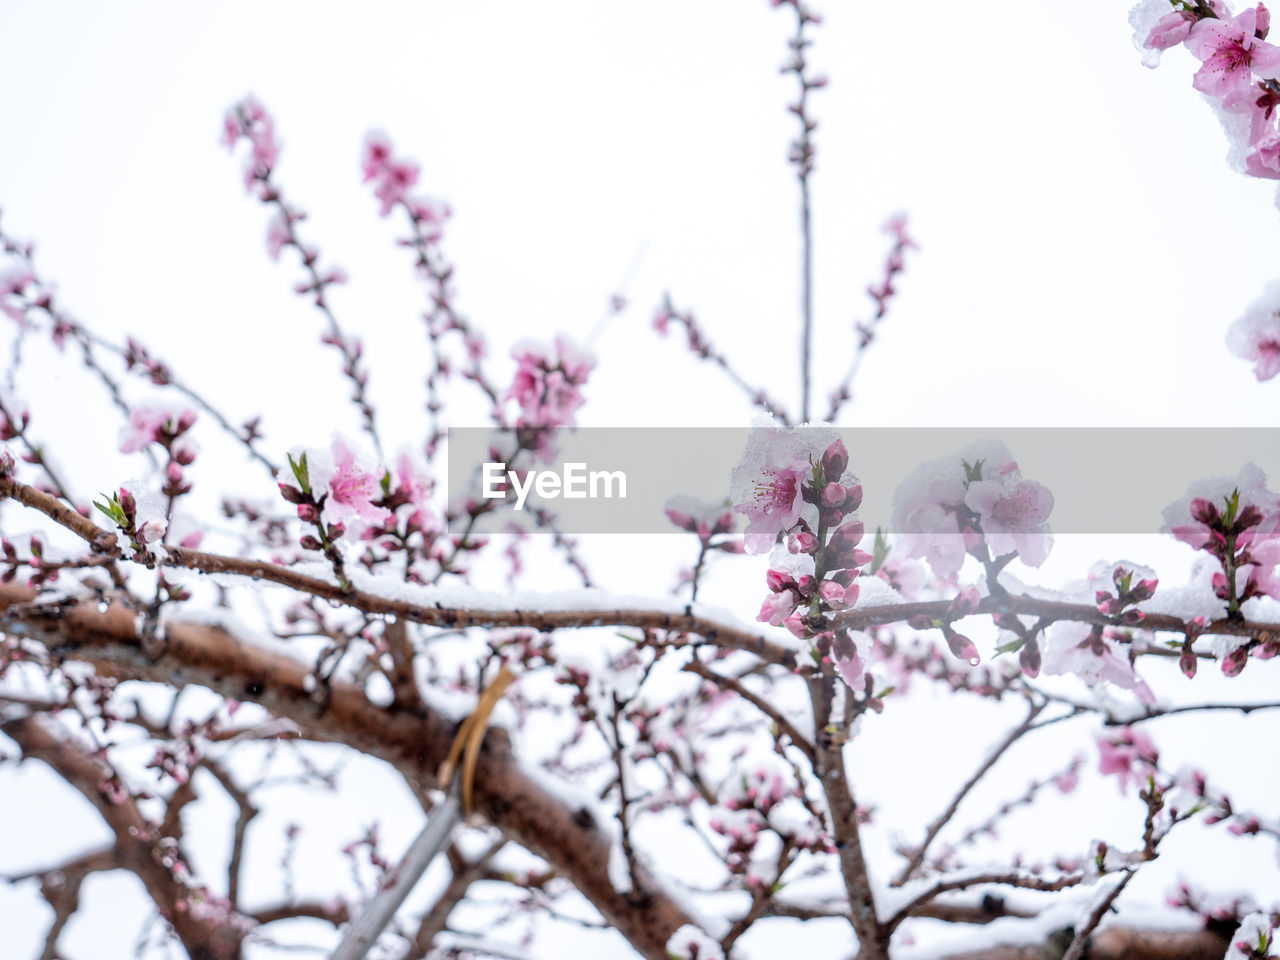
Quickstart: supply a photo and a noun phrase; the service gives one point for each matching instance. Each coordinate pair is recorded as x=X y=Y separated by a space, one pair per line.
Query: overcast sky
x=1084 y=246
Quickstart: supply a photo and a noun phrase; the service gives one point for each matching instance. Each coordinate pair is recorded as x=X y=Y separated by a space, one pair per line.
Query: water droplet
x=308 y=683
x=103 y=606
x=974 y=661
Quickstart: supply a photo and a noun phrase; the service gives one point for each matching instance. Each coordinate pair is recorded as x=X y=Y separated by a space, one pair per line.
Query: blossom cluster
x=250 y=120
x=547 y=388
x=1240 y=76
x=393 y=178
x=977 y=504
x=809 y=501
x=1237 y=522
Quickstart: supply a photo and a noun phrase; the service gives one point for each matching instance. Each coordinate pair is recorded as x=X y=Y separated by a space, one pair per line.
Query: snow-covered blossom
x=1236 y=520
x=766 y=485
x=704 y=518
x=1081 y=650
x=1013 y=514
x=1231 y=54
x=547 y=386
x=150 y=424
x=413 y=487
x=1253 y=938
x=1156 y=27
x=345 y=485
x=690 y=943
x=950 y=507
x=1255 y=336
x=352 y=489
x=1192 y=518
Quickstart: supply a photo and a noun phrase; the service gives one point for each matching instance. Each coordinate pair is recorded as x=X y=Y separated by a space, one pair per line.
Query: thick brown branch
x=1021 y=881
x=1117 y=943
x=415 y=743
x=873 y=941
x=42 y=738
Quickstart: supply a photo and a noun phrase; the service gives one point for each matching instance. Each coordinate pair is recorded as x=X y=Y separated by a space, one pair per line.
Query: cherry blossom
x=1255 y=336
x=548 y=382
x=1129 y=755
x=1086 y=652
x=1232 y=53
x=767 y=485
x=1013 y=514
x=150 y=424
x=352 y=489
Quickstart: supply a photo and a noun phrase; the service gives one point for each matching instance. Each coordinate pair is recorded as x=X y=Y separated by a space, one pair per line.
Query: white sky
x=1084 y=246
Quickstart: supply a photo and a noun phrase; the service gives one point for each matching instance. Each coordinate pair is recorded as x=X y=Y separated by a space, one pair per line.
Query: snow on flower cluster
x=547 y=388
x=344 y=486
x=1255 y=336
x=1240 y=76
x=976 y=503
x=1236 y=521
x=795 y=486
x=1238 y=70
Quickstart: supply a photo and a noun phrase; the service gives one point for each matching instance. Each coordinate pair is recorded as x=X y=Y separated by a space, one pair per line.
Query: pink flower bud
x=962 y=647
x=832 y=592
x=835 y=460
x=1187 y=661
x=833 y=494
x=779 y=580
x=802 y=542
x=853 y=497
x=1144 y=590
x=1203 y=510
x=1234 y=662
x=795 y=623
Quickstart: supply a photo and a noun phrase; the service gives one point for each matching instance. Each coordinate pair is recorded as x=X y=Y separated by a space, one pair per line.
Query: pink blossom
x=352 y=490
x=147 y=424
x=1129 y=755
x=376 y=154
x=277 y=236
x=1170 y=30
x=929 y=509
x=1194 y=518
x=1231 y=53
x=852 y=672
x=1068 y=780
x=416 y=489
x=1255 y=336
x=701 y=517
x=777 y=607
x=395 y=183
x=547 y=386
x=1013 y=515
x=775 y=503
x=1079 y=650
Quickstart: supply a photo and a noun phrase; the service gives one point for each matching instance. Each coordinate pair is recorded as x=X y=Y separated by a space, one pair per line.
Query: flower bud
x=835 y=460
x=833 y=494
